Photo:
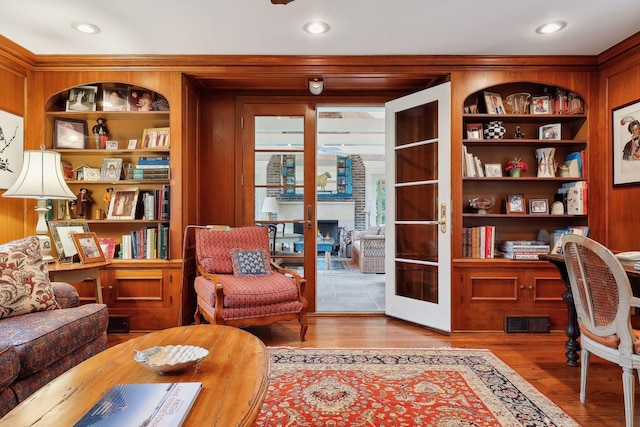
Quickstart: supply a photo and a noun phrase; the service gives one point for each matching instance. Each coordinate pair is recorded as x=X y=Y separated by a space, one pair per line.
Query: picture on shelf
x=155 y=137
x=82 y=98
x=111 y=145
x=541 y=104
x=111 y=169
x=114 y=99
x=133 y=144
x=123 y=204
x=515 y=204
x=539 y=206
x=552 y=131
x=69 y=133
x=88 y=247
x=140 y=100
x=108 y=246
x=62 y=232
x=493 y=170
x=474 y=131
x=493 y=102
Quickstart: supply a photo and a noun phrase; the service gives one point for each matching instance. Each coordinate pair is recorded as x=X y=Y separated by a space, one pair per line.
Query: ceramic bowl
x=170 y=358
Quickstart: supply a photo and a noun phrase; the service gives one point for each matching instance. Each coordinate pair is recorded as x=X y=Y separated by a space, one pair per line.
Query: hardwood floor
x=539 y=358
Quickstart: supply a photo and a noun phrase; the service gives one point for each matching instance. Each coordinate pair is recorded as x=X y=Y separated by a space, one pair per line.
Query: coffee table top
x=234 y=378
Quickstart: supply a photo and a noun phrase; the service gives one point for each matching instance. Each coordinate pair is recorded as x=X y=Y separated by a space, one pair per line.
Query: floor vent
x=526 y=324
x=119 y=323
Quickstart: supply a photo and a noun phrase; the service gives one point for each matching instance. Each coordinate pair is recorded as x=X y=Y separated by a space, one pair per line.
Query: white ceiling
x=358 y=27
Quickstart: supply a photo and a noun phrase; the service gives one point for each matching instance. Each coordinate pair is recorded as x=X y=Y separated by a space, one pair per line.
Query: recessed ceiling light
x=551 y=27
x=316 y=27
x=85 y=27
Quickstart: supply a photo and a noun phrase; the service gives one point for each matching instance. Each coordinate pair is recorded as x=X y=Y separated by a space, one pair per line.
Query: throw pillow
x=24 y=279
x=250 y=263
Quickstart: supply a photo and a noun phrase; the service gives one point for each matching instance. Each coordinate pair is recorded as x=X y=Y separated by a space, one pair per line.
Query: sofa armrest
x=372 y=246
x=9 y=365
x=66 y=294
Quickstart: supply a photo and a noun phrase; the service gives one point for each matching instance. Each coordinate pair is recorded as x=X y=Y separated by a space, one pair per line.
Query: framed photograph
x=114 y=98
x=133 y=144
x=92 y=174
x=140 y=100
x=625 y=127
x=155 y=137
x=541 y=104
x=538 y=206
x=88 y=247
x=108 y=246
x=493 y=102
x=123 y=203
x=82 y=98
x=62 y=232
x=111 y=145
x=553 y=131
x=515 y=204
x=474 y=131
x=111 y=169
x=492 y=170
x=70 y=133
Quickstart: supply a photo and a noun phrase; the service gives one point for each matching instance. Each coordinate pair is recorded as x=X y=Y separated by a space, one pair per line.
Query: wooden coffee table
x=234 y=377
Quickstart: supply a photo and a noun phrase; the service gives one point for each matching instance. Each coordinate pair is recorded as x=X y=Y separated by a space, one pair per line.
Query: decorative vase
x=494 y=130
x=519 y=103
x=546 y=162
x=515 y=173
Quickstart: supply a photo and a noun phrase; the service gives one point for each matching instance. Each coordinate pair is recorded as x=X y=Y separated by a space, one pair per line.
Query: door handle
x=443 y=218
x=309 y=215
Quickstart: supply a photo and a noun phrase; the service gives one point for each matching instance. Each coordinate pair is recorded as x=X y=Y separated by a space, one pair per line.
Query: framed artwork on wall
x=625 y=126
x=12 y=129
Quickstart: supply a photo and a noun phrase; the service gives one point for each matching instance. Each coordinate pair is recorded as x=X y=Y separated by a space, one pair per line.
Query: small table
x=78 y=272
x=234 y=377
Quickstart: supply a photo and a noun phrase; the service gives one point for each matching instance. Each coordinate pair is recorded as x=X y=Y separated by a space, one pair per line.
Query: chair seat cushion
x=249 y=292
x=611 y=341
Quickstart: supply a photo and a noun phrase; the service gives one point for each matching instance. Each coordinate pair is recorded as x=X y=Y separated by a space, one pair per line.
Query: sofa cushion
x=9 y=365
x=42 y=338
x=24 y=279
x=249 y=263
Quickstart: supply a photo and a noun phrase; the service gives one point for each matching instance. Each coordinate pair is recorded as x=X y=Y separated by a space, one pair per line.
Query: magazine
x=153 y=405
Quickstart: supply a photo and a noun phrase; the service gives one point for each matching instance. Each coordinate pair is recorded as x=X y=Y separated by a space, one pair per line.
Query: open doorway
x=350 y=168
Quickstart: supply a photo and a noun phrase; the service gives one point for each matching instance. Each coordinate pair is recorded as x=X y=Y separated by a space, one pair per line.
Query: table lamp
x=270 y=207
x=41 y=178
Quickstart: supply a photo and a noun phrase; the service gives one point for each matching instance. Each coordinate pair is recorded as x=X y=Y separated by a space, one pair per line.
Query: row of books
x=575 y=195
x=479 y=242
x=154 y=204
x=146 y=243
x=151 y=167
x=581 y=230
x=471 y=165
x=523 y=249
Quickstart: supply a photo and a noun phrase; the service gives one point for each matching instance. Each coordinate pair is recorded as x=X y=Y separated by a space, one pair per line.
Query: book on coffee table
x=160 y=405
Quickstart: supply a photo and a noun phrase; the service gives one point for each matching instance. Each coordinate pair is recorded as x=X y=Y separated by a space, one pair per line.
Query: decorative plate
x=170 y=358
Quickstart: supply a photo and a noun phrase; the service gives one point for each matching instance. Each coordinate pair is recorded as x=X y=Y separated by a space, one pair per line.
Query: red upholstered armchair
x=238 y=285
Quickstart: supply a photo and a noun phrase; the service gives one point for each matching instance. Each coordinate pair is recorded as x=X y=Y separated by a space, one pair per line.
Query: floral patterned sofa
x=43 y=330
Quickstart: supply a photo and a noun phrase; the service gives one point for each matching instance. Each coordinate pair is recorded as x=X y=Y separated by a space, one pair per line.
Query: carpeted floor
x=401 y=387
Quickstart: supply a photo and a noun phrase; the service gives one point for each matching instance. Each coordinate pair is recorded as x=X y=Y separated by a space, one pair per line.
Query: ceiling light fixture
x=551 y=27
x=85 y=27
x=316 y=27
x=316 y=86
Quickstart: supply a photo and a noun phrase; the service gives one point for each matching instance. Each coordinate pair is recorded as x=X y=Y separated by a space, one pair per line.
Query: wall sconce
x=316 y=86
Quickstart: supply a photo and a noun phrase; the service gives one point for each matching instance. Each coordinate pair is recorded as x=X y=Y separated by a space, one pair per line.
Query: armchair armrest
x=301 y=282
x=66 y=295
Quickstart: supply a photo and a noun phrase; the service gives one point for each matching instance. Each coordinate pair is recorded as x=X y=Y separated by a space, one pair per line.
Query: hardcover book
x=159 y=405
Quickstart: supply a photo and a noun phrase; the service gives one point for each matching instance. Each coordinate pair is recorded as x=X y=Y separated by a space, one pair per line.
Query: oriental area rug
x=401 y=387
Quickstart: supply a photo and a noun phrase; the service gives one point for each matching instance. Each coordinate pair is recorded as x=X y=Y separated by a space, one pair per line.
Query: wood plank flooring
x=539 y=358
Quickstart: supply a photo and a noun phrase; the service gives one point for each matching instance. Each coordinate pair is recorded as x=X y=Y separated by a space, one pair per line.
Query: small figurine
x=83 y=202
x=107 y=198
x=101 y=132
x=518 y=133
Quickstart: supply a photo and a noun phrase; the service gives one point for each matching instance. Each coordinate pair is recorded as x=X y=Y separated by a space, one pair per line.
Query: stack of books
x=479 y=242
x=523 y=249
x=152 y=167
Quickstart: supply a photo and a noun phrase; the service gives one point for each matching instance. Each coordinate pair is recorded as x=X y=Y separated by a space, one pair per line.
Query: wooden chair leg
x=196 y=315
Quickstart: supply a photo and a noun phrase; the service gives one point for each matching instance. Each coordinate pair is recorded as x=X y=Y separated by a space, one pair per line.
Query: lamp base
x=45 y=248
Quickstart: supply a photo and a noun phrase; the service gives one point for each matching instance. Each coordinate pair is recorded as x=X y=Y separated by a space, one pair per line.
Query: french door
x=418 y=176
x=278 y=176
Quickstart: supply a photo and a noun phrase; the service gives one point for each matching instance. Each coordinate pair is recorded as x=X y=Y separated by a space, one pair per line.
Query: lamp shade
x=41 y=177
x=270 y=205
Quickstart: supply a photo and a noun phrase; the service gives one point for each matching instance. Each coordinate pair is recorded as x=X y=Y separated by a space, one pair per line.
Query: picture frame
x=133 y=144
x=70 y=133
x=108 y=246
x=551 y=131
x=82 y=98
x=12 y=127
x=114 y=98
x=111 y=169
x=123 y=204
x=541 y=104
x=88 y=247
x=155 y=137
x=111 y=145
x=539 y=206
x=492 y=170
x=474 y=130
x=62 y=232
x=493 y=102
x=91 y=174
x=515 y=204
x=140 y=99
x=625 y=128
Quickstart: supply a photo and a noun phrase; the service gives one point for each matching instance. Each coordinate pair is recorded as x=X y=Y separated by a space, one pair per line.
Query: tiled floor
x=349 y=291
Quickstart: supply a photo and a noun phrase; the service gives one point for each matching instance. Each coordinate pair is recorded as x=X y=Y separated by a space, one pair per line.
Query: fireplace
x=325 y=227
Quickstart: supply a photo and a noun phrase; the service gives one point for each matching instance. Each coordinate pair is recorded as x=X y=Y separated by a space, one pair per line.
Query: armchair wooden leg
x=196 y=315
